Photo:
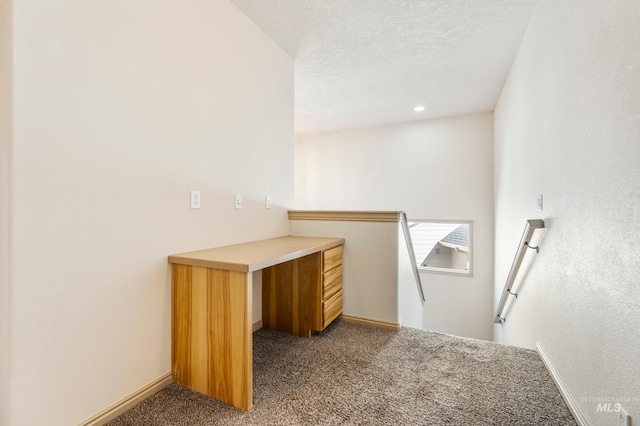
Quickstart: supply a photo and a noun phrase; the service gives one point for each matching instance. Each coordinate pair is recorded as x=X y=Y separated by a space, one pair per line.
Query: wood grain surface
x=212 y=333
x=291 y=293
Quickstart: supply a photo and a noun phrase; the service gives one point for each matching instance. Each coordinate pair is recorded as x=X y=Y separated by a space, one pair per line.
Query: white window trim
x=446 y=271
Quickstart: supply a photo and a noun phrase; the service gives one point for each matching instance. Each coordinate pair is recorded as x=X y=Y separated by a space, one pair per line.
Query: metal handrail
x=531 y=226
x=412 y=254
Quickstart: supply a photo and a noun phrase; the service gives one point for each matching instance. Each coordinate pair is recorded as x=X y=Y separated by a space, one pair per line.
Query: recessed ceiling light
x=419 y=108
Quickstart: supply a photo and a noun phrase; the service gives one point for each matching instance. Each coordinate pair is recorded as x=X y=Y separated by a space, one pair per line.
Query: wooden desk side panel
x=180 y=323
x=291 y=295
x=211 y=345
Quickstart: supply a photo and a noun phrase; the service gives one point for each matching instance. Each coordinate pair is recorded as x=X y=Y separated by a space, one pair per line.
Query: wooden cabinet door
x=291 y=295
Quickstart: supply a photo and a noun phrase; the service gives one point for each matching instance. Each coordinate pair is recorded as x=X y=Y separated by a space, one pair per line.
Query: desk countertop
x=256 y=255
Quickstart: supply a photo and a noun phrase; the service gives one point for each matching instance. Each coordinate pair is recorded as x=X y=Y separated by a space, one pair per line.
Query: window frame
x=447 y=271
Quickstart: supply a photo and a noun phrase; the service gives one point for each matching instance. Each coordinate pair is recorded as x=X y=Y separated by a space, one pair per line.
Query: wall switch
x=195 y=199
x=540 y=204
x=238 y=201
x=267 y=202
x=624 y=419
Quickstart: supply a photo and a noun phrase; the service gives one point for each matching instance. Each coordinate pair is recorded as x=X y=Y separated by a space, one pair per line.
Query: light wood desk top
x=256 y=255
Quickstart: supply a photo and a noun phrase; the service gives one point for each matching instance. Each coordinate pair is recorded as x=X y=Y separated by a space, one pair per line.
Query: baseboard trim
x=566 y=395
x=372 y=322
x=113 y=411
x=257 y=325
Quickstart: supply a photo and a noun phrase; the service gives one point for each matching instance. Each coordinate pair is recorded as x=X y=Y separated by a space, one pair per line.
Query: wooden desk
x=211 y=324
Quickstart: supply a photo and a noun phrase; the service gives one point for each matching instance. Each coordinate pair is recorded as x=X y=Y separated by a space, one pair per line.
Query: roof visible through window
x=442 y=246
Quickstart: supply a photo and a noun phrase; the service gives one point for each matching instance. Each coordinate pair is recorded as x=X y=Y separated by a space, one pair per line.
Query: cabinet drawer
x=332 y=282
x=332 y=258
x=331 y=309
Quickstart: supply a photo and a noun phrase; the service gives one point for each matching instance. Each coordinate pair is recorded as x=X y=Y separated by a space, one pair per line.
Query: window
x=442 y=246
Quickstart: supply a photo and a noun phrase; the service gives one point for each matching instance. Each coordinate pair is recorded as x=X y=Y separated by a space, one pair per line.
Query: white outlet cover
x=267 y=202
x=624 y=419
x=195 y=199
x=238 y=201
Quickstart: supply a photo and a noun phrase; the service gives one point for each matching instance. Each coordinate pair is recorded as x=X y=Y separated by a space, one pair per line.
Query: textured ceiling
x=369 y=62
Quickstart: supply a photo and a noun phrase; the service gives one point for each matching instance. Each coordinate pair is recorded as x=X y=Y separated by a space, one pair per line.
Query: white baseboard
x=128 y=402
x=257 y=325
x=566 y=395
x=372 y=322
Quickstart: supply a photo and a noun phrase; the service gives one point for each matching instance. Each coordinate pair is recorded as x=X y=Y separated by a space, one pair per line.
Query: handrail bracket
x=536 y=248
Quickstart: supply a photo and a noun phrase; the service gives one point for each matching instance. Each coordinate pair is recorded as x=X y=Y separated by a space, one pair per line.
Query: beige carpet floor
x=356 y=375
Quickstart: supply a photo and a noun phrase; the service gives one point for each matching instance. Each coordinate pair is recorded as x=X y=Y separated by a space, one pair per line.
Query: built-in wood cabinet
x=303 y=295
x=211 y=296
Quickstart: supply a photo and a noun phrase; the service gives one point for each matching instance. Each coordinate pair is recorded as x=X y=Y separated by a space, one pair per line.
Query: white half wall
x=567 y=126
x=433 y=169
x=370 y=264
x=120 y=109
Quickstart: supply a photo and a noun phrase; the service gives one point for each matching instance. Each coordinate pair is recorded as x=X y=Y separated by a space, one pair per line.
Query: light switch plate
x=195 y=199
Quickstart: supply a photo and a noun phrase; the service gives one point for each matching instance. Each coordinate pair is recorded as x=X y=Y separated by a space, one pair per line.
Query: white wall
x=403 y=167
x=568 y=126
x=5 y=142
x=120 y=109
